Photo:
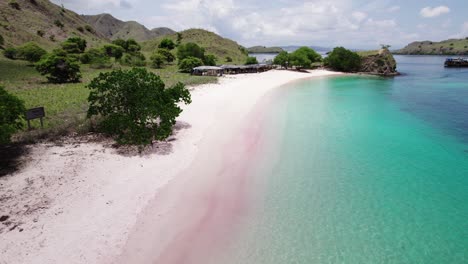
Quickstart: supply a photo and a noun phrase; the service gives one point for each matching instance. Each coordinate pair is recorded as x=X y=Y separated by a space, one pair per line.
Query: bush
x=136 y=59
x=341 y=59
x=74 y=45
x=11 y=115
x=80 y=29
x=309 y=53
x=10 y=53
x=167 y=44
x=52 y=38
x=30 y=52
x=135 y=105
x=2 y=41
x=14 y=4
x=251 y=60
x=300 y=60
x=113 y=51
x=58 y=23
x=132 y=46
x=40 y=33
x=157 y=60
x=59 y=67
x=282 y=59
x=97 y=58
x=190 y=50
x=89 y=28
x=168 y=56
x=187 y=64
x=228 y=59
x=209 y=60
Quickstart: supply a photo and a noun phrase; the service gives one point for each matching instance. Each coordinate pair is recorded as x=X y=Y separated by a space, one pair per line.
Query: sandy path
x=83 y=203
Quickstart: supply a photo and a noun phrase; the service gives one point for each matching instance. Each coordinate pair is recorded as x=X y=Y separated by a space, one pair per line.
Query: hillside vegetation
x=214 y=44
x=113 y=28
x=378 y=62
x=446 y=47
x=42 y=22
x=263 y=49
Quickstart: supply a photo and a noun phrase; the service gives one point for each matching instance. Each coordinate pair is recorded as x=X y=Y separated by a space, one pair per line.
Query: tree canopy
x=187 y=64
x=167 y=44
x=251 y=60
x=74 y=45
x=282 y=59
x=58 y=67
x=341 y=59
x=135 y=105
x=11 y=115
x=190 y=50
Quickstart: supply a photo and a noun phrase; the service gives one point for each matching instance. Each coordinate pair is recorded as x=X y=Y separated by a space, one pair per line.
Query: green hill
x=446 y=47
x=262 y=49
x=213 y=44
x=113 y=28
x=43 y=22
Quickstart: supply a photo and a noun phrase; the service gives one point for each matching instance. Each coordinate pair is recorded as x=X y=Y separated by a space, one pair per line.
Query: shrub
x=97 y=58
x=309 y=53
x=157 y=60
x=74 y=45
x=251 y=60
x=30 y=52
x=120 y=42
x=209 y=60
x=80 y=29
x=136 y=59
x=14 y=4
x=89 y=28
x=113 y=51
x=58 y=23
x=59 y=67
x=11 y=115
x=187 y=64
x=40 y=33
x=52 y=38
x=341 y=59
x=167 y=44
x=10 y=53
x=2 y=41
x=168 y=56
x=300 y=60
x=190 y=50
x=135 y=105
x=282 y=59
x=228 y=59
x=132 y=46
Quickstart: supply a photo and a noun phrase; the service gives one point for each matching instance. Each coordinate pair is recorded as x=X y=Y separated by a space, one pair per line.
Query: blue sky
x=329 y=23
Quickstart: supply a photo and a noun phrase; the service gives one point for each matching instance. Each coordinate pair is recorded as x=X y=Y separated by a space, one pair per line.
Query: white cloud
x=434 y=12
x=394 y=9
x=359 y=16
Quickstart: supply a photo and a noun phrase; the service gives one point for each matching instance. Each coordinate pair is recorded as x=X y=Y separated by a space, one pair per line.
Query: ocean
x=363 y=170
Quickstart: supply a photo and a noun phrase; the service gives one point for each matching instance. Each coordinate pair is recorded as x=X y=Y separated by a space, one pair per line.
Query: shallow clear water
x=367 y=170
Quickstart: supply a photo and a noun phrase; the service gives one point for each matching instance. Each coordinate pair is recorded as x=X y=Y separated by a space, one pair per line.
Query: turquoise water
x=368 y=170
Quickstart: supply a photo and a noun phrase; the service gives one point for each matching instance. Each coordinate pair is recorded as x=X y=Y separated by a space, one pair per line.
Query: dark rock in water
x=381 y=63
x=3 y=218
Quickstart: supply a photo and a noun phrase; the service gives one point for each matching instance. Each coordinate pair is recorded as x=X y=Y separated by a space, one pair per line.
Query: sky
x=354 y=24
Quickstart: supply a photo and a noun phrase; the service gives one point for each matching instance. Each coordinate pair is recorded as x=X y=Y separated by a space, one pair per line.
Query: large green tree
x=190 y=50
x=187 y=64
x=282 y=59
x=11 y=115
x=251 y=60
x=167 y=44
x=59 y=67
x=135 y=105
x=74 y=45
x=342 y=59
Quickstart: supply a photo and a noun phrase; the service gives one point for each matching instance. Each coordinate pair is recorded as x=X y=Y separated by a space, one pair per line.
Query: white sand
x=79 y=202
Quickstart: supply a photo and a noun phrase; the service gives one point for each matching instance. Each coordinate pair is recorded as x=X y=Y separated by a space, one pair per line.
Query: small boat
x=456 y=63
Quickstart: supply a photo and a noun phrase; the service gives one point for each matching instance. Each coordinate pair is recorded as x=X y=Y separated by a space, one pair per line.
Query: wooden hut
x=208 y=71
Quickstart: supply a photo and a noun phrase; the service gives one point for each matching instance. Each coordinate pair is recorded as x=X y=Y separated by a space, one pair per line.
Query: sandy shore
x=82 y=202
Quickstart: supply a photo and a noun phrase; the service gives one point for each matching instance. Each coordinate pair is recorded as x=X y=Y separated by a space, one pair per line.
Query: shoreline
x=81 y=202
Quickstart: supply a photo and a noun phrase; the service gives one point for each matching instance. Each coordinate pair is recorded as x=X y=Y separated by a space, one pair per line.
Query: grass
x=446 y=47
x=368 y=53
x=66 y=104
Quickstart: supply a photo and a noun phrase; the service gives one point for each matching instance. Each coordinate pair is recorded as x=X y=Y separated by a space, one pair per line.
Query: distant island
x=263 y=49
x=446 y=47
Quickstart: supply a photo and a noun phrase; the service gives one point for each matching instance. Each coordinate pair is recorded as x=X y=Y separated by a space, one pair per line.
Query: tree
x=187 y=64
x=135 y=105
x=74 y=45
x=309 y=53
x=179 y=39
x=133 y=46
x=282 y=59
x=157 y=60
x=300 y=60
x=58 y=23
x=228 y=59
x=58 y=67
x=251 y=60
x=190 y=50
x=120 y=42
x=11 y=115
x=113 y=51
x=209 y=60
x=97 y=58
x=341 y=59
x=167 y=44
x=385 y=46
x=136 y=59
x=168 y=56
x=10 y=53
x=30 y=52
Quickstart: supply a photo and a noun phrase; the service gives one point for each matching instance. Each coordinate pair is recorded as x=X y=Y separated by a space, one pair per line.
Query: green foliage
x=168 y=56
x=228 y=59
x=341 y=59
x=58 y=23
x=30 y=52
x=251 y=60
x=209 y=60
x=14 y=4
x=40 y=33
x=89 y=28
x=80 y=29
x=97 y=58
x=282 y=59
x=128 y=45
x=74 y=45
x=135 y=105
x=11 y=115
x=300 y=60
x=10 y=53
x=186 y=65
x=179 y=39
x=59 y=67
x=136 y=59
x=309 y=53
x=2 y=41
x=190 y=50
x=120 y=42
x=167 y=44
x=157 y=60
x=113 y=51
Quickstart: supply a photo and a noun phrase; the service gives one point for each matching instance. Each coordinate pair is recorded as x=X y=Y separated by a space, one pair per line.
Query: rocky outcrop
x=380 y=63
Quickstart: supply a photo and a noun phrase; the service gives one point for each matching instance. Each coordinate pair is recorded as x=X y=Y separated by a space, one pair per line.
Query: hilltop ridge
x=446 y=47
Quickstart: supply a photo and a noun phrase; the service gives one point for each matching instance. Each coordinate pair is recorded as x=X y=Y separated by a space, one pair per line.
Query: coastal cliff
x=379 y=62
